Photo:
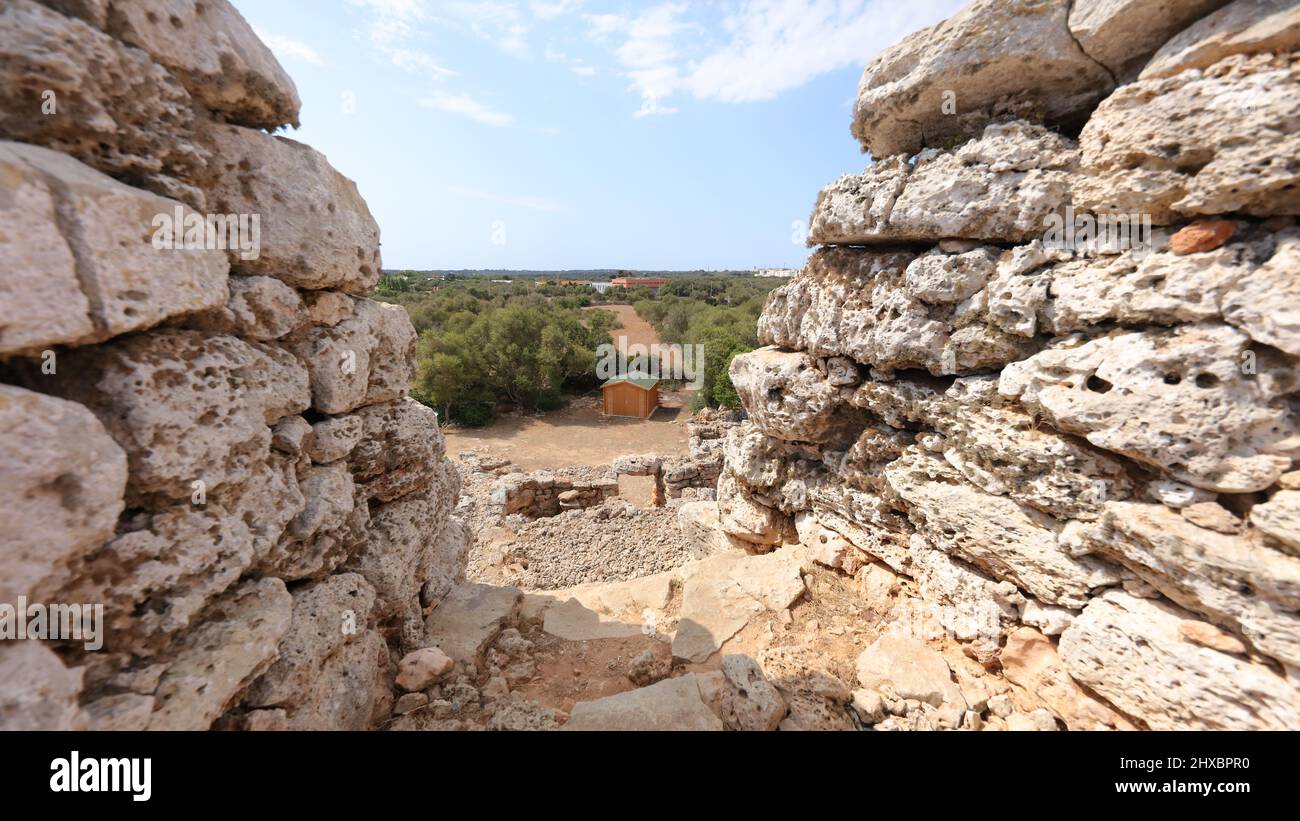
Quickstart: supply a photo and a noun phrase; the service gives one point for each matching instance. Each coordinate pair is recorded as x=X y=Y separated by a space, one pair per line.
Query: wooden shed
x=632 y=395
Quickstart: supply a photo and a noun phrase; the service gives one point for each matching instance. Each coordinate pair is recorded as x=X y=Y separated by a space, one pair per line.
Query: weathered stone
x=945 y=82
x=1121 y=34
x=115 y=109
x=319 y=234
x=290 y=435
x=334 y=439
x=400 y=451
x=211 y=398
x=993 y=533
x=1201 y=236
x=326 y=615
x=365 y=359
x=827 y=547
x=721 y=594
x=573 y=621
x=470 y=618
x=1001 y=186
x=749 y=702
x=788 y=397
x=906 y=668
x=1176 y=400
x=219 y=658
x=400 y=545
x=61 y=485
x=854 y=302
x=351 y=691
x=674 y=704
x=1213 y=516
x=210 y=48
x=331 y=525
x=423 y=668
x=1279 y=518
x=1148 y=286
x=746 y=519
x=1137 y=158
x=237 y=526
x=259 y=308
x=1207 y=635
x=1131 y=652
x=1006 y=452
x=122 y=712
x=960 y=601
x=1049 y=619
x=36 y=691
x=1030 y=660
x=869 y=707
x=77 y=258
x=523 y=716
x=1264 y=304
x=1231 y=580
x=1240 y=27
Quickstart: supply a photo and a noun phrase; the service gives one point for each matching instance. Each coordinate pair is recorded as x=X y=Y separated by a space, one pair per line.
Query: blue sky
x=565 y=134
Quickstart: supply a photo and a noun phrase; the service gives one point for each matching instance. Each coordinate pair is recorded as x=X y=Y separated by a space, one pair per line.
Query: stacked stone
x=215 y=445
x=544 y=494
x=1096 y=443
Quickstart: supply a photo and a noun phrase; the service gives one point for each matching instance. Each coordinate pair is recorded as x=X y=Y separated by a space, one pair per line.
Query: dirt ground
x=580 y=434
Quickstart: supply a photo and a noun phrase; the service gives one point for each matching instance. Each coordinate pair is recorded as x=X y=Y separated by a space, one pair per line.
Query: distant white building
x=785 y=273
x=602 y=287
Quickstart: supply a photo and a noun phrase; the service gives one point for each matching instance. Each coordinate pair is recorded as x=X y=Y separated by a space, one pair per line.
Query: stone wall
x=215 y=445
x=1091 y=448
x=544 y=494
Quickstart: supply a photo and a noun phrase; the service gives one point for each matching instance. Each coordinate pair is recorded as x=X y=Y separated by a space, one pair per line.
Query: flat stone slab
x=469 y=618
x=672 y=704
x=625 y=598
x=572 y=621
x=722 y=593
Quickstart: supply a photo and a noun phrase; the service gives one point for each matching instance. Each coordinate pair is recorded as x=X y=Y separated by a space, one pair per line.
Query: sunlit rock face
x=213 y=441
x=1080 y=447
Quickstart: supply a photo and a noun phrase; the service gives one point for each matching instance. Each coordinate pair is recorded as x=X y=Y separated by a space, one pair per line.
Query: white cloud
x=287 y=48
x=501 y=23
x=648 y=51
x=767 y=46
x=529 y=202
x=462 y=105
x=778 y=45
x=583 y=71
x=552 y=10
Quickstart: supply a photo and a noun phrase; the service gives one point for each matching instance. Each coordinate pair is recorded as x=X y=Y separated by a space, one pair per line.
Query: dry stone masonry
x=1082 y=453
x=214 y=442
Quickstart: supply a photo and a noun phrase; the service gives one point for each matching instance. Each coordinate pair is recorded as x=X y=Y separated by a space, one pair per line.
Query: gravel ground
x=613 y=542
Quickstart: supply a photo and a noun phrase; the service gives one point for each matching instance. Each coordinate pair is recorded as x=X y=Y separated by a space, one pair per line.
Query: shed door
x=625 y=400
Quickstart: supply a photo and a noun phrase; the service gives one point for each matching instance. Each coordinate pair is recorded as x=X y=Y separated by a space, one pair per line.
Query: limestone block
x=363 y=360
x=1177 y=400
x=61 y=484
x=1121 y=34
x=1240 y=27
x=211 y=49
x=77 y=260
x=316 y=231
x=993 y=56
x=1137 y=157
x=1132 y=652
x=1000 y=186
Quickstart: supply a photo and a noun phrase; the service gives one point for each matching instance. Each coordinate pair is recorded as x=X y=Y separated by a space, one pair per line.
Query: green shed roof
x=642 y=381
